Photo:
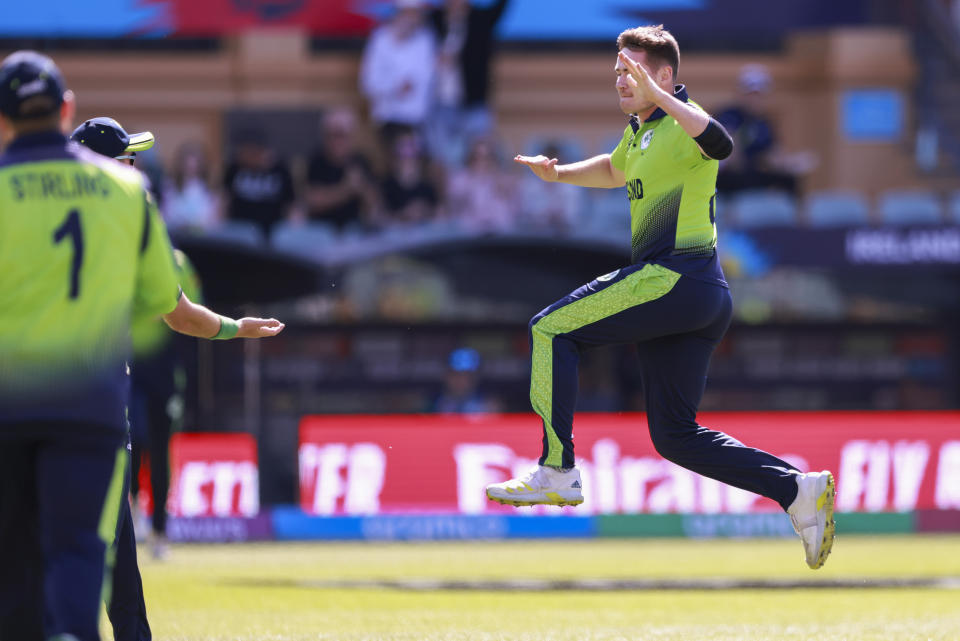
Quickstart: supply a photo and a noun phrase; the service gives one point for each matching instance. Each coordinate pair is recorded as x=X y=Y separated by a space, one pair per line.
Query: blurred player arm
x=196 y=320
x=593 y=172
x=158 y=290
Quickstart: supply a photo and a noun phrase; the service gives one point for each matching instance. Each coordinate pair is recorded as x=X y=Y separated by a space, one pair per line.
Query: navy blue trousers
x=126 y=609
x=676 y=322
x=151 y=427
x=60 y=488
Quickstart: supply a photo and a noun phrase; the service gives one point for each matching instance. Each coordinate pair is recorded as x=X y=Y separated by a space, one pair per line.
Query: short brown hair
x=656 y=41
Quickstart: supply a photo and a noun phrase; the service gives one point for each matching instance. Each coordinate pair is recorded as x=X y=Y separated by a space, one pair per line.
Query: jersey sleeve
x=158 y=283
x=189 y=280
x=689 y=152
x=618 y=157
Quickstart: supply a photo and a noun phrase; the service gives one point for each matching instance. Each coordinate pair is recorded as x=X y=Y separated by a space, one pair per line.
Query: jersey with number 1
x=671 y=185
x=81 y=248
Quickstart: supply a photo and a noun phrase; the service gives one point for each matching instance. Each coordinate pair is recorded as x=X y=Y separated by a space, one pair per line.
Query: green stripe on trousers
x=642 y=286
x=107 y=530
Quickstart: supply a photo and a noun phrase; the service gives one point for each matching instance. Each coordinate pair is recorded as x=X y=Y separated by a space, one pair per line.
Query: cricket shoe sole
x=562 y=498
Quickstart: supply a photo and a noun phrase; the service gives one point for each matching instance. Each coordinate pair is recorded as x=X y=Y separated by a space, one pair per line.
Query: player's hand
x=545 y=168
x=640 y=81
x=259 y=327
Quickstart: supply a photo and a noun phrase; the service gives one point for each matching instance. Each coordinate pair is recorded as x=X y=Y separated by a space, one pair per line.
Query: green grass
x=270 y=591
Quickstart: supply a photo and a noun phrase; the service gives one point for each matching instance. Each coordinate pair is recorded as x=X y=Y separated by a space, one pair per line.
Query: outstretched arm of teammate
x=593 y=172
x=710 y=136
x=196 y=320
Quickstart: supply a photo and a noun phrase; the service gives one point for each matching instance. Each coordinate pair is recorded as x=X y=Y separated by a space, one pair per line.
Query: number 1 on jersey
x=71 y=227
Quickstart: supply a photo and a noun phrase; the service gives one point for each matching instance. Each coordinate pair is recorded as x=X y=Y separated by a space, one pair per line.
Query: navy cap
x=31 y=86
x=108 y=138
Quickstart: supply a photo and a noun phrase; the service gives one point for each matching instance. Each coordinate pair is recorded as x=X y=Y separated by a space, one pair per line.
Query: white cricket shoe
x=541 y=486
x=812 y=515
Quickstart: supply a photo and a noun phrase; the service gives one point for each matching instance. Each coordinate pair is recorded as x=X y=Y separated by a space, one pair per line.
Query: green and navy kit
x=671 y=185
x=82 y=247
x=672 y=303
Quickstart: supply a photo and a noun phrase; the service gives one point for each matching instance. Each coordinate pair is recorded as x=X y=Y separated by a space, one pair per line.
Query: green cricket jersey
x=82 y=247
x=672 y=188
x=150 y=334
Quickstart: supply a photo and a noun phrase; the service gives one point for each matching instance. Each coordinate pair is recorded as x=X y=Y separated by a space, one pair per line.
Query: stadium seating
x=901 y=207
x=953 y=212
x=237 y=231
x=607 y=216
x=571 y=149
x=764 y=209
x=722 y=210
x=837 y=209
x=307 y=240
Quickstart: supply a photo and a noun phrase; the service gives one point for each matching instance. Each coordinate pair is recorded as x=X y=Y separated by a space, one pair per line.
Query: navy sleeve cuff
x=715 y=141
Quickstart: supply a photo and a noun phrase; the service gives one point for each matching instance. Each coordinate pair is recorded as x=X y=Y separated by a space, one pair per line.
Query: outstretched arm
x=196 y=320
x=593 y=172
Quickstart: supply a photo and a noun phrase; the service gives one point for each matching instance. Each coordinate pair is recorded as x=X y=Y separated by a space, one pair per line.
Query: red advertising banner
x=213 y=475
x=883 y=461
x=338 y=18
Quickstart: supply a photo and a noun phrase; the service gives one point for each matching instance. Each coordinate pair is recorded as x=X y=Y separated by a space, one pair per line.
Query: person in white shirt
x=482 y=196
x=397 y=71
x=188 y=200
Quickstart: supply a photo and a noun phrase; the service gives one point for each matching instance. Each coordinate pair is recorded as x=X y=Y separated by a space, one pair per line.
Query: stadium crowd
x=348 y=190
x=425 y=156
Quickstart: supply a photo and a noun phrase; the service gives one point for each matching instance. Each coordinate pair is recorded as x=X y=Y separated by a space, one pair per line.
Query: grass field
x=396 y=591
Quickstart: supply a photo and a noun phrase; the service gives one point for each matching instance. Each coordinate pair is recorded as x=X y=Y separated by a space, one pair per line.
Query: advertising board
x=372 y=465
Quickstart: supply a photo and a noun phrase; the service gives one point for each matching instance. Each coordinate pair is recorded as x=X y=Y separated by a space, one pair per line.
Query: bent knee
x=540 y=328
x=670 y=438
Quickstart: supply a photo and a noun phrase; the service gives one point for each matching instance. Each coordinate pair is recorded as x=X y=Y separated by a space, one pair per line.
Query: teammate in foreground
x=673 y=301
x=81 y=248
x=126 y=608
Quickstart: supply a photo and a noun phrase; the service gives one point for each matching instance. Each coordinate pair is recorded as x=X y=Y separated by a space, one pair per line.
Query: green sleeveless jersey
x=671 y=185
x=82 y=247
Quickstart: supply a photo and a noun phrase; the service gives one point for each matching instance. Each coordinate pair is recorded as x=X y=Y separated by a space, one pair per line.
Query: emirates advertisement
x=366 y=465
x=213 y=475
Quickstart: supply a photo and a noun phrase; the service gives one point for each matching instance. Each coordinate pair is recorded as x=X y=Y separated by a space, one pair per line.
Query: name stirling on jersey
x=59 y=185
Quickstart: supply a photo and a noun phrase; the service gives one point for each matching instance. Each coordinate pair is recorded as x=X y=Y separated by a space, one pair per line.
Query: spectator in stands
x=341 y=189
x=482 y=195
x=465 y=36
x=258 y=184
x=757 y=162
x=397 y=71
x=550 y=207
x=461 y=388
x=407 y=193
x=188 y=201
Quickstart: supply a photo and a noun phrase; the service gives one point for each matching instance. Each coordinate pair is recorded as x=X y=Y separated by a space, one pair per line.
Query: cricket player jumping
x=672 y=301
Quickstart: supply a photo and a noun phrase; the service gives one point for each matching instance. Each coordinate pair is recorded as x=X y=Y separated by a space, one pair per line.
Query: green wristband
x=228 y=329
